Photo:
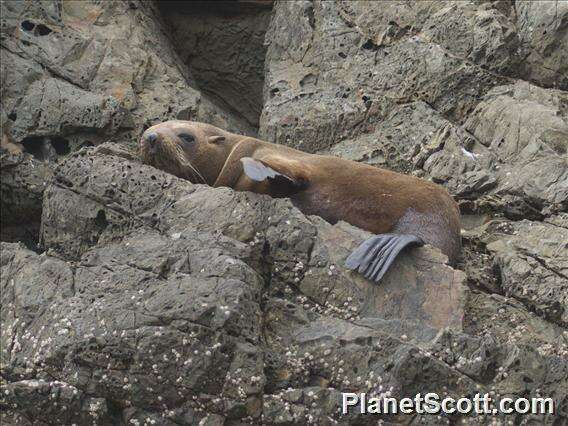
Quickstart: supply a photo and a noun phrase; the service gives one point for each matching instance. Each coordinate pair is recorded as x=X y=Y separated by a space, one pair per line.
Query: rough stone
x=22 y=182
x=542 y=28
x=107 y=310
x=75 y=71
x=143 y=299
x=326 y=72
x=532 y=263
x=222 y=44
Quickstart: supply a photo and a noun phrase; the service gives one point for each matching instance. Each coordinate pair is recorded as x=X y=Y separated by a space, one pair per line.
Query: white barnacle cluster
x=298 y=406
x=343 y=376
x=236 y=382
x=63 y=325
x=95 y=408
x=146 y=422
x=298 y=364
x=346 y=309
x=332 y=270
x=257 y=239
x=225 y=310
x=298 y=271
x=11 y=335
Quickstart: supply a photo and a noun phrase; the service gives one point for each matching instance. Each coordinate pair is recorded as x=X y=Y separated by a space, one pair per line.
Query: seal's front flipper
x=282 y=173
x=374 y=256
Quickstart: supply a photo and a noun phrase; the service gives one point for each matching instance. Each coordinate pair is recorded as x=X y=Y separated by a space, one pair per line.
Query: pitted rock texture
x=78 y=74
x=533 y=260
x=94 y=71
x=223 y=46
x=22 y=182
x=435 y=88
x=159 y=299
x=117 y=195
x=131 y=297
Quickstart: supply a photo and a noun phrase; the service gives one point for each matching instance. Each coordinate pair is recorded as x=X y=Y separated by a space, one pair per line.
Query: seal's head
x=187 y=149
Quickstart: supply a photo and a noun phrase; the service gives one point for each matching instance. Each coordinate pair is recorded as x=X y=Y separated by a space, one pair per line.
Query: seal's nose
x=149 y=142
x=151 y=137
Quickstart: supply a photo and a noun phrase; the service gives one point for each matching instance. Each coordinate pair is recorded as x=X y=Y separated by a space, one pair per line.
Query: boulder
x=544 y=41
x=155 y=295
x=341 y=79
x=331 y=65
x=532 y=263
x=130 y=296
x=79 y=74
x=76 y=73
x=223 y=46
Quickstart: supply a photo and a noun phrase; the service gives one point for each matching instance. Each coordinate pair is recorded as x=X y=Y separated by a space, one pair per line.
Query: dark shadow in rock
x=222 y=43
x=61 y=145
x=46 y=148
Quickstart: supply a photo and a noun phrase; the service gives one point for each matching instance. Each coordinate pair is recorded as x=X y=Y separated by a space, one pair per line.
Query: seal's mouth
x=151 y=149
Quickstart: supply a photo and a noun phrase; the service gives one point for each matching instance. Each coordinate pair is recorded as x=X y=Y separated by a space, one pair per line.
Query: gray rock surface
x=532 y=262
x=22 y=182
x=77 y=74
x=129 y=296
x=328 y=73
x=94 y=71
x=223 y=46
x=543 y=36
x=176 y=302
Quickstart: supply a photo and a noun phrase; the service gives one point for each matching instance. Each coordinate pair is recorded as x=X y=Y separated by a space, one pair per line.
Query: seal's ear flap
x=216 y=139
x=277 y=170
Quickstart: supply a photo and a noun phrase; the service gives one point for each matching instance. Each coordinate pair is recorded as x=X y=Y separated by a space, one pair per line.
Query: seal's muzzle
x=150 y=142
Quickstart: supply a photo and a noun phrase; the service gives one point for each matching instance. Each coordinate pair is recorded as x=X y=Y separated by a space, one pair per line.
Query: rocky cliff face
x=130 y=296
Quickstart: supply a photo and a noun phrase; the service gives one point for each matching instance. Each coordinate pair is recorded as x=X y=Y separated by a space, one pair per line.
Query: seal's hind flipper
x=375 y=255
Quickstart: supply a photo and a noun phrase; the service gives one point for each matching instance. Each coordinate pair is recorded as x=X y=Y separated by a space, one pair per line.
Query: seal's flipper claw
x=374 y=256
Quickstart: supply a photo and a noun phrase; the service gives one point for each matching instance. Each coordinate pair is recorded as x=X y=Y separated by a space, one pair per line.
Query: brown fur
x=370 y=198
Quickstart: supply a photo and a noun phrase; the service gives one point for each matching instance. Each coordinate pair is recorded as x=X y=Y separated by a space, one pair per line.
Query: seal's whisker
x=183 y=161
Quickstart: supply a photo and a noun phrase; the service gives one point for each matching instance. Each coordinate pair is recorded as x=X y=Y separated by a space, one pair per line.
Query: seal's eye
x=186 y=137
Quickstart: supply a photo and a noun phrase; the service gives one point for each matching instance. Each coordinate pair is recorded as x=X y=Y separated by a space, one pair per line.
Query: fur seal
x=401 y=210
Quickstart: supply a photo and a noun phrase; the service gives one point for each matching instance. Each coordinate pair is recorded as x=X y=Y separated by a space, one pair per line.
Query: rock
x=414 y=136
x=16 y=78
x=526 y=128
x=120 y=306
x=130 y=296
x=528 y=260
x=532 y=262
x=420 y=279
x=112 y=202
x=544 y=41
x=508 y=321
x=23 y=180
x=32 y=397
x=140 y=341
x=222 y=45
x=73 y=77
x=485 y=142
x=76 y=74
x=53 y=107
x=481 y=33
x=327 y=72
